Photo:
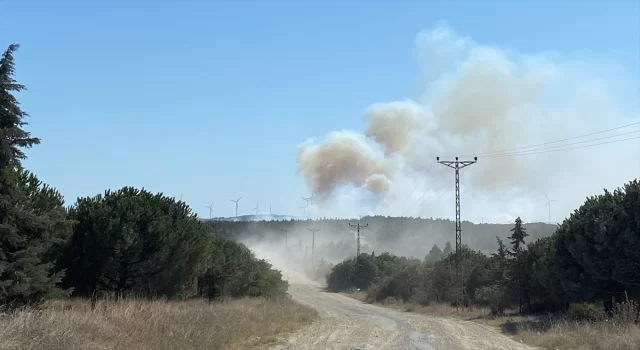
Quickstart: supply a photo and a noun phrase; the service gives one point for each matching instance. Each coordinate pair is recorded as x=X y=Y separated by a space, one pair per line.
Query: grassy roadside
x=141 y=324
x=546 y=332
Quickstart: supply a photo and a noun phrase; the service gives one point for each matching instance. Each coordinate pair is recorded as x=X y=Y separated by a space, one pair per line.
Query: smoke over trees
x=533 y=98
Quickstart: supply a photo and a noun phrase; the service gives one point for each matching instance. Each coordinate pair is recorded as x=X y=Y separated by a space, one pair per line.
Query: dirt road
x=346 y=323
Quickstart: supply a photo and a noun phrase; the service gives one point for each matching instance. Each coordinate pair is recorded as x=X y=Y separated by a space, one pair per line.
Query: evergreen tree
x=495 y=293
x=501 y=263
x=447 y=250
x=519 y=233
x=32 y=216
x=134 y=241
x=598 y=246
x=518 y=268
x=435 y=254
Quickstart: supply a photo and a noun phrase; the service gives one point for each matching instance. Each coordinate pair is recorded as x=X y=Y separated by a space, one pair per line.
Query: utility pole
x=286 y=237
x=358 y=226
x=457 y=165
x=313 y=242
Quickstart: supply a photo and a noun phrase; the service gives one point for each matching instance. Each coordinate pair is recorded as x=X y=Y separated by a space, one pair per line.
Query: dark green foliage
x=233 y=270
x=342 y=275
x=447 y=249
x=435 y=254
x=14 y=138
x=586 y=312
x=134 y=241
x=598 y=246
x=405 y=279
x=33 y=221
x=518 y=272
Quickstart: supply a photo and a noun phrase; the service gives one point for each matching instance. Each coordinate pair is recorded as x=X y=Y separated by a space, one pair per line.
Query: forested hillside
x=336 y=240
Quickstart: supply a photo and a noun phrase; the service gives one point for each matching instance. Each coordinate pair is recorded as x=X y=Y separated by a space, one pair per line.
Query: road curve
x=346 y=323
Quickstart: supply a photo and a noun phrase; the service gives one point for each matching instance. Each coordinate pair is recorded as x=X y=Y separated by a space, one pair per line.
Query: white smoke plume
x=477 y=99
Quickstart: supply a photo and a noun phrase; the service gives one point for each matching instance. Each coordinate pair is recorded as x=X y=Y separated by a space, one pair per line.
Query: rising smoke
x=476 y=99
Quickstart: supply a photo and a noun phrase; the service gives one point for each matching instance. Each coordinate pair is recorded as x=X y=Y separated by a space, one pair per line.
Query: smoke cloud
x=477 y=99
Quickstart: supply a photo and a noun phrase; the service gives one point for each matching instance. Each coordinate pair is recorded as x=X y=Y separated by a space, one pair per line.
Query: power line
x=568 y=144
x=551 y=142
x=416 y=186
x=444 y=191
x=562 y=149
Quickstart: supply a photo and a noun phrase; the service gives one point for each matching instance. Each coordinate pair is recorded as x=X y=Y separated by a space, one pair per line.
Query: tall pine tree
x=447 y=249
x=518 y=269
x=33 y=221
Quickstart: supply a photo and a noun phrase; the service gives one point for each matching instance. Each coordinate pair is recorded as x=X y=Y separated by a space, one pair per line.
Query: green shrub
x=586 y=312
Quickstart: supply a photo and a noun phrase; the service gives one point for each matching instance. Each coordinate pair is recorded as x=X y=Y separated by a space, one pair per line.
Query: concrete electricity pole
x=457 y=165
x=358 y=226
x=313 y=242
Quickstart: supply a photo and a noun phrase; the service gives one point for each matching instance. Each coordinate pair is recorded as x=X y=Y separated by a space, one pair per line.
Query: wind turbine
x=256 y=208
x=311 y=199
x=210 y=206
x=236 y=201
x=304 y=208
x=549 y=205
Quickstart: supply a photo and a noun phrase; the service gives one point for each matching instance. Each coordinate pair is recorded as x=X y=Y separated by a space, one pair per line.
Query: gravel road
x=346 y=323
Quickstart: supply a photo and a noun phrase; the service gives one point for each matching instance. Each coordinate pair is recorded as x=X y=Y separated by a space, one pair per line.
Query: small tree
x=435 y=254
x=447 y=250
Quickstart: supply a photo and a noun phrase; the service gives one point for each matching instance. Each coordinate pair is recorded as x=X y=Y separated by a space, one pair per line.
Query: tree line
x=592 y=257
x=405 y=236
x=124 y=242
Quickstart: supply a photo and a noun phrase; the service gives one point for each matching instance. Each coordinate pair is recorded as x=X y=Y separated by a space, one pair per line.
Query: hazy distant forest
x=336 y=240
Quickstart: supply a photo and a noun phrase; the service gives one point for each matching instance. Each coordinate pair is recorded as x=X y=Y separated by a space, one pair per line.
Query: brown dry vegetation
x=546 y=332
x=141 y=324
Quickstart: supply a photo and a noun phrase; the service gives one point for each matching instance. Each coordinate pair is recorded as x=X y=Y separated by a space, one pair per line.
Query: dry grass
x=140 y=324
x=546 y=332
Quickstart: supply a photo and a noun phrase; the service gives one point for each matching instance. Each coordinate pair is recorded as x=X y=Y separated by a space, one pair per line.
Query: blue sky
x=209 y=99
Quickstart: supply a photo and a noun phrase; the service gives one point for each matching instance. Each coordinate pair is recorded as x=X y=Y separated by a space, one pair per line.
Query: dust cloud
x=478 y=99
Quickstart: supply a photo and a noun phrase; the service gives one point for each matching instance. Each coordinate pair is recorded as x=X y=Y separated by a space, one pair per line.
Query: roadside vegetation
x=123 y=269
x=576 y=289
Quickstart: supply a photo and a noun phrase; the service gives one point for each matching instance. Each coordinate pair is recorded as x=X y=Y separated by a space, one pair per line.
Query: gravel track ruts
x=346 y=323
